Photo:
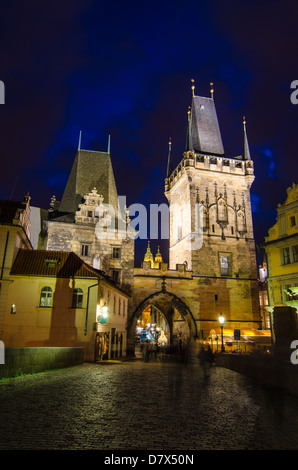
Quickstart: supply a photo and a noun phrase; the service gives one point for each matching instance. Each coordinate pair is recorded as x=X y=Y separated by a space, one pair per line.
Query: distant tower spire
x=80 y=136
x=109 y=144
x=170 y=166
x=193 y=87
x=189 y=146
x=246 y=154
x=212 y=90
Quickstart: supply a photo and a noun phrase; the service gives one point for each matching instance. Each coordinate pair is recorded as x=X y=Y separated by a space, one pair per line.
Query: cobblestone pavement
x=138 y=406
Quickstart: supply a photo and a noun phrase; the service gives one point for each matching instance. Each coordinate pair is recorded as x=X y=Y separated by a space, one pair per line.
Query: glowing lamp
x=221 y=320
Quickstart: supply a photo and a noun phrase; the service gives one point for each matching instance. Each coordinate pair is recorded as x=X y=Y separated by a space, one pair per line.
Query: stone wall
x=20 y=361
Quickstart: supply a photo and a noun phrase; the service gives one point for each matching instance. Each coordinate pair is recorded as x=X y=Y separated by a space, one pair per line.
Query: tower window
x=292 y=221
x=116 y=275
x=116 y=252
x=85 y=250
x=224 y=265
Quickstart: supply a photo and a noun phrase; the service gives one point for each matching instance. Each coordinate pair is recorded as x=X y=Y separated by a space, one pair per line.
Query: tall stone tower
x=211 y=229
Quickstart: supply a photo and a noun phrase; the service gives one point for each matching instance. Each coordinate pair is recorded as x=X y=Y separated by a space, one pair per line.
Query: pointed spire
x=189 y=146
x=170 y=166
x=246 y=154
x=193 y=87
x=148 y=255
x=79 y=145
x=109 y=144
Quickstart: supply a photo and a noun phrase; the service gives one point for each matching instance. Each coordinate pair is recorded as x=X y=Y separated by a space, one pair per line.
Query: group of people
x=150 y=350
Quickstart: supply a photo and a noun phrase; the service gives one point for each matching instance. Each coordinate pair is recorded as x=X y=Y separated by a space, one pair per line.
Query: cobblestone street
x=144 y=406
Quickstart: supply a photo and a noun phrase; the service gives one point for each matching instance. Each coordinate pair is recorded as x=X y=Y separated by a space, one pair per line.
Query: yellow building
x=14 y=234
x=57 y=300
x=281 y=247
x=54 y=298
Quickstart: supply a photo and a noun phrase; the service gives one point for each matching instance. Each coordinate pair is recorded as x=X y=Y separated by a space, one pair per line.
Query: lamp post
x=221 y=321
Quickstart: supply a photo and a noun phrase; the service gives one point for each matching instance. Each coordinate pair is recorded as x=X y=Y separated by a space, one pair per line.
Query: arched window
x=46 y=297
x=77 y=298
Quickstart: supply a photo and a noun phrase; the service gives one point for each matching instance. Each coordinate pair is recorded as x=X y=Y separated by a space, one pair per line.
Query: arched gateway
x=155 y=289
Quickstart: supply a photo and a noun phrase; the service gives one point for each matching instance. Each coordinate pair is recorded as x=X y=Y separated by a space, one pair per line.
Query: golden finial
x=193 y=87
x=244 y=121
x=212 y=90
x=170 y=143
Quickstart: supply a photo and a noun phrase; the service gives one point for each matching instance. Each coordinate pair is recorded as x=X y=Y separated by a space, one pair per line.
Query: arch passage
x=179 y=318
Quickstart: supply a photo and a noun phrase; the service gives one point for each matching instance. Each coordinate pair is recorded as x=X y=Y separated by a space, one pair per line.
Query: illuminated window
x=46 y=297
x=224 y=265
x=77 y=298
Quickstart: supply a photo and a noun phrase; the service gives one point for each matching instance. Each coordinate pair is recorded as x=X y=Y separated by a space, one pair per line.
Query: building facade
x=281 y=247
x=55 y=299
x=14 y=234
x=89 y=220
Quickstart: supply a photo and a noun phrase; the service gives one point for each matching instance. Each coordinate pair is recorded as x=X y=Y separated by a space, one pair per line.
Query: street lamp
x=221 y=320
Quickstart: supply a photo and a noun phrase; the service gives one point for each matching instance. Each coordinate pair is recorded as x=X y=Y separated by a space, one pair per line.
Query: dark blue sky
x=124 y=69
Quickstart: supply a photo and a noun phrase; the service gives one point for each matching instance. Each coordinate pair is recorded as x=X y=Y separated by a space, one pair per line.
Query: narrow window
x=286 y=255
x=116 y=252
x=46 y=297
x=85 y=249
x=224 y=264
x=116 y=275
x=295 y=253
x=77 y=298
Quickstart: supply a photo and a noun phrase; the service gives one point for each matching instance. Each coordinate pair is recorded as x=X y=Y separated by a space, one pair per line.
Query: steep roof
x=90 y=170
x=204 y=127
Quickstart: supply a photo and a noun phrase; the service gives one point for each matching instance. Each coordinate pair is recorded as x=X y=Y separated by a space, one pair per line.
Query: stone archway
x=174 y=310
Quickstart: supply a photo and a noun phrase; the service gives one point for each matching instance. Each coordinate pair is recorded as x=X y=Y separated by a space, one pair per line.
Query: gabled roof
x=52 y=263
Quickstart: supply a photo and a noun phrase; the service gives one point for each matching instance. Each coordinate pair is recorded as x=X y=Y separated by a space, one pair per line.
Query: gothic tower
x=211 y=229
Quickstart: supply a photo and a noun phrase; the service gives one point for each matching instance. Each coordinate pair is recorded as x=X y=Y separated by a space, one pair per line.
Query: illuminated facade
x=281 y=247
x=212 y=262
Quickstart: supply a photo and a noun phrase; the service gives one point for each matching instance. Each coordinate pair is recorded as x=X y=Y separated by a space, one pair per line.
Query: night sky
x=124 y=69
